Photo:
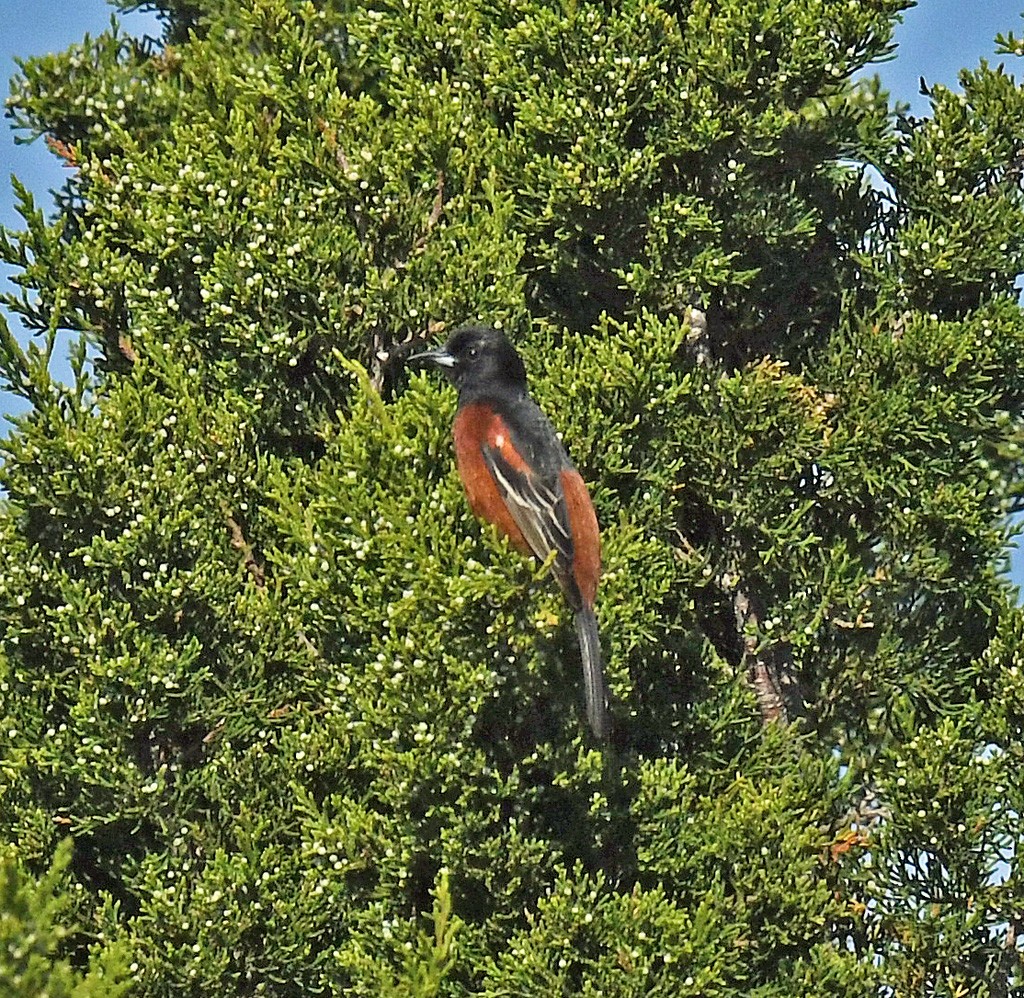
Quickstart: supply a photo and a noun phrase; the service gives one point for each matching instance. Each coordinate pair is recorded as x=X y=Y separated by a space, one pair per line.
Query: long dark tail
x=594 y=690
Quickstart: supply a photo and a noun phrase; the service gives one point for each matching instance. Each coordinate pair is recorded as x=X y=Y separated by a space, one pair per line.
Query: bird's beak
x=439 y=358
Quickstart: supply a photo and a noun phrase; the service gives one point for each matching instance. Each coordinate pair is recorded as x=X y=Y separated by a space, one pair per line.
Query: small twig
x=698 y=344
x=65 y=150
x=435 y=211
x=307 y=644
x=435 y=214
x=768 y=668
x=214 y=733
x=124 y=344
x=238 y=541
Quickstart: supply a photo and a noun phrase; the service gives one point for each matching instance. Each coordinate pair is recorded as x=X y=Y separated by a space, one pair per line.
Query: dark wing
x=537 y=509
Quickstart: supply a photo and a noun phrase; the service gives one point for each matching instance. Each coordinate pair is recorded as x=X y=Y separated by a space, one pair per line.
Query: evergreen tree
x=312 y=729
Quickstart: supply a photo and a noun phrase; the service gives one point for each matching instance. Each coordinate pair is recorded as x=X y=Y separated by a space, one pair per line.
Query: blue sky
x=936 y=40
x=940 y=37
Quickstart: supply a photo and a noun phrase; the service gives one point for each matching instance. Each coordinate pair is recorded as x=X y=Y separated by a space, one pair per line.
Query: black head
x=477 y=360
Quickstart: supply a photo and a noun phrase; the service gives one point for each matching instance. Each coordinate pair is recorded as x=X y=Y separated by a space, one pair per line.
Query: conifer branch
x=769 y=667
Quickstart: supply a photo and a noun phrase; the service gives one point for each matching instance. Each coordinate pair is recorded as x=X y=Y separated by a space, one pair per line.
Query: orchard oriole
x=518 y=476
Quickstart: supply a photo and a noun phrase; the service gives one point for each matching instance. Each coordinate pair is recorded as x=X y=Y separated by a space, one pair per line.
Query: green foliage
x=33 y=928
x=312 y=729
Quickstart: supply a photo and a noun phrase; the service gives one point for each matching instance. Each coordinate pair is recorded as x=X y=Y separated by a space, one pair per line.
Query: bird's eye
x=471 y=352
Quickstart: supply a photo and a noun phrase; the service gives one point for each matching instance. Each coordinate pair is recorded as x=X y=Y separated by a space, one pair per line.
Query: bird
x=517 y=475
